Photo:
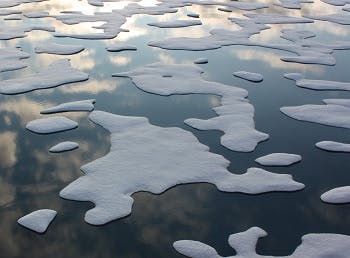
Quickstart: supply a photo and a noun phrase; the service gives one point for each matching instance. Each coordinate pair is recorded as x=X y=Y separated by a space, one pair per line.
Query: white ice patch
x=63 y=147
x=340 y=18
x=175 y=24
x=51 y=125
x=279 y=159
x=19 y=31
x=58 y=73
x=292 y=4
x=12 y=3
x=145 y=157
x=38 y=221
x=58 y=49
x=340 y=102
x=82 y=105
x=235 y=115
x=11 y=59
x=333 y=146
x=253 y=77
x=120 y=48
x=317 y=84
x=332 y=115
x=201 y=60
x=337 y=195
x=36 y=15
x=244 y=243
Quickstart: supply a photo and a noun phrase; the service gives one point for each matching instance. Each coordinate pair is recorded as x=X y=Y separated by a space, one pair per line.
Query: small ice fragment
x=64 y=146
x=201 y=60
x=51 y=125
x=175 y=24
x=337 y=195
x=82 y=105
x=193 y=15
x=253 y=77
x=333 y=146
x=278 y=159
x=58 y=49
x=119 y=48
x=38 y=221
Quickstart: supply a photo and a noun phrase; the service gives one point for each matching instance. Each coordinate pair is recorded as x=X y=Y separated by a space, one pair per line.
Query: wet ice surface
x=38 y=221
x=253 y=77
x=244 y=243
x=64 y=146
x=81 y=105
x=165 y=156
x=58 y=73
x=58 y=49
x=279 y=159
x=333 y=146
x=53 y=124
x=235 y=115
x=337 y=195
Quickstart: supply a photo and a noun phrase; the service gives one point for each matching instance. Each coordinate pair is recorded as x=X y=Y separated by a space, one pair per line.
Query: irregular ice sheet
x=340 y=18
x=63 y=147
x=317 y=84
x=337 y=195
x=58 y=49
x=81 y=105
x=332 y=115
x=175 y=24
x=333 y=146
x=235 y=115
x=19 y=31
x=58 y=73
x=119 y=48
x=39 y=220
x=278 y=159
x=253 y=77
x=244 y=243
x=292 y=4
x=51 y=125
x=201 y=60
x=11 y=59
x=145 y=157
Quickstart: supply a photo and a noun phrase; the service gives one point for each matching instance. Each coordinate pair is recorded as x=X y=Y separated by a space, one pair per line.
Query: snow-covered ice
x=320 y=245
x=278 y=159
x=235 y=115
x=53 y=124
x=64 y=146
x=58 y=73
x=58 y=49
x=333 y=146
x=38 y=221
x=337 y=195
x=145 y=157
x=81 y=105
x=253 y=77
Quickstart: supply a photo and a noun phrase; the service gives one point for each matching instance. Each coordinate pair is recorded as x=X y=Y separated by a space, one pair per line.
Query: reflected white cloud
x=8 y=147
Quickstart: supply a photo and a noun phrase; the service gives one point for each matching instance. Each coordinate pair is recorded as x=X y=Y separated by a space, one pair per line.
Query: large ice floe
x=49 y=125
x=333 y=146
x=58 y=73
x=278 y=159
x=58 y=49
x=319 y=245
x=235 y=115
x=38 y=221
x=145 y=157
x=81 y=105
x=337 y=195
x=317 y=84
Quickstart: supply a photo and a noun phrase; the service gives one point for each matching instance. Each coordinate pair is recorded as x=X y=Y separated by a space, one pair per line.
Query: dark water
x=31 y=177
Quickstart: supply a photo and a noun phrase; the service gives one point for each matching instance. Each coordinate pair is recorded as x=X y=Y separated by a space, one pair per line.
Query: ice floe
x=317 y=84
x=58 y=49
x=38 y=221
x=58 y=73
x=193 y=15
x=175 y=24
x=340 y=18
x=12 y=59
x=253 y=77
x=36 y=15
x=19 y=31
x=51 y=125
x=81 y=105
x=12 y=3
x=292 y=4
x=333 y=146
x=278 y=159
x=120 y=48
x=337 y=195
x=235 y=115
x=320 y=245
x=64 y=146
x=201 y=60
x=145 y=157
